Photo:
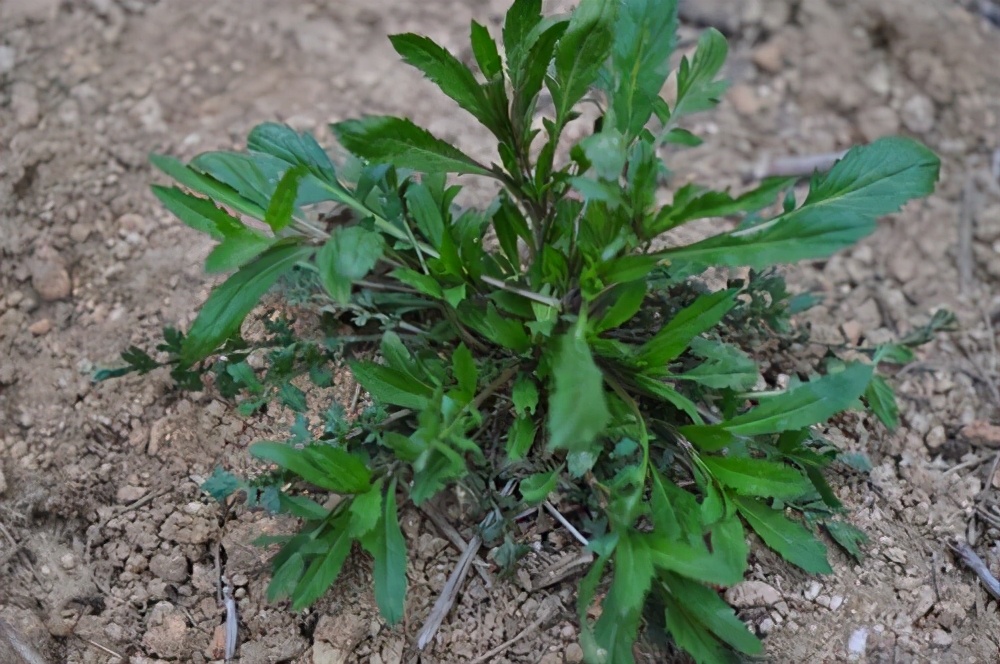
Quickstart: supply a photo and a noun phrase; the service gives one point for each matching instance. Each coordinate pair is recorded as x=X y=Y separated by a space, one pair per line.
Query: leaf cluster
x=556 y=339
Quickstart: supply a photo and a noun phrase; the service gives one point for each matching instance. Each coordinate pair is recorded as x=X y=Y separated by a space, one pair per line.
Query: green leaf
x=302 y=507
x=644 y=38
x=219 y=192
x=848 y=537
x=578 y=408
x=521 y=437
x=366 y=510
x=390 y=386
x=882 y=401
x=485 y=50
x=625 y=302
x=279 y=211
x=388 y=548
x=691 y=202
x=841 y=208
x=800 y=407
x=223 y=313
x=237 y=250
x=528 y=67
x=323 y=465
x=581 y=53
x=463 y=366
x=240 y=171
x=347 y=256
x=293 y=397
x=396 y=141
x=674 y=337
x=633 y=575
x=758 y=477
x=606 y=153
x=524 y=394
x=696 y=88
x=704 y=606
x=522 y=17
x=221 y=484
x=349 y=473
x=693 y=560
x=293 y=148
x=200 y=214
x=448 y=72
x=285 y=578
x=323 y=571
x=536 y=488
x=692 y=636
x=725 y=366
x=791 y=540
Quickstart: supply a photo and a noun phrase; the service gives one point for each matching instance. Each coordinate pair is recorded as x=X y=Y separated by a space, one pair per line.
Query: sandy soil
x=107 y=546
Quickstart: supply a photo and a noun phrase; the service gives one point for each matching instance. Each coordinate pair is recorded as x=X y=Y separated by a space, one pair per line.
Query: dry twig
x=797 y=165
x=17 y=644
x=455 y=538
x=976 y=564
x=449 y=594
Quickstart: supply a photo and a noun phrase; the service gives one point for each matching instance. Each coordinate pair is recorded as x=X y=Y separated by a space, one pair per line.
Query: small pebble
x=40 y=327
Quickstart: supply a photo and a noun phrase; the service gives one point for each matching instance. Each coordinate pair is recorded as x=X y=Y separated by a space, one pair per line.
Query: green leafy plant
x=557 y=339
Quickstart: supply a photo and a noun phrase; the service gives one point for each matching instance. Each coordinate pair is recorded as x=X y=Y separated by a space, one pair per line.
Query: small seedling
x=557 y=339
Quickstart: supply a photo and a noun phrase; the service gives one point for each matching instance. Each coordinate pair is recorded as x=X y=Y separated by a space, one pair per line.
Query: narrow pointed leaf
x=758 y=477
x=841 y=208
x=790 y=539
x=578 y=409
x=223 y=313
x=396 y=141
x=702 y=315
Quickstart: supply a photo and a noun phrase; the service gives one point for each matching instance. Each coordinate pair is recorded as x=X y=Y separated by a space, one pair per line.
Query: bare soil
x=107 y=546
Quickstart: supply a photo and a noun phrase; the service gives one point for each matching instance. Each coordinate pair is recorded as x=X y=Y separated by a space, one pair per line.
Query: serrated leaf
x=800 y=407
x=229 y=303
x=366 y=510
x=704 y=606
x=578 y=409
x=580 y=53
x=645 y=34
x=692 y=559
x=848 y=537
x=758 y=477
x=674 y=337
x=697 y=89
x=292 y=397
x=789 y=539
x=347 y=256
x=536 y=488
x=691 y=202
x=841 y=208
x=236 y=250
x=692 y=636
x=397 y=141
x=522 y=17
x=485 y=51
x=448 y=72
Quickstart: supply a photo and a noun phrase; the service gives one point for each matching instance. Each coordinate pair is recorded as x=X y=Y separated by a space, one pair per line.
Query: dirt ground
x=108 y=548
